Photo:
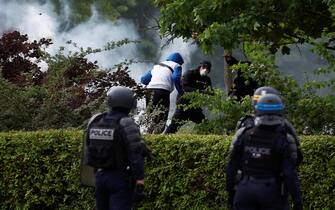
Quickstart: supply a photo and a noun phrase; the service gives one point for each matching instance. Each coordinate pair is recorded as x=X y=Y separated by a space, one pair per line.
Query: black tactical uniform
x=264 y=156
x=248 y=121
x=116 y=150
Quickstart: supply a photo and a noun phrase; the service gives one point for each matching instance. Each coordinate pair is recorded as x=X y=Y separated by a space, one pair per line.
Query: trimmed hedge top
x=40 y=170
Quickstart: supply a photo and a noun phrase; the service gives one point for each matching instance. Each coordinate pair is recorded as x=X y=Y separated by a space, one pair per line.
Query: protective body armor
x=260 y=156
x=104 y=146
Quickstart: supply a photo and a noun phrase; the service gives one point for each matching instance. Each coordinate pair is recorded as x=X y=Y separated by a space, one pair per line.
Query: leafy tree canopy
x=227 y=23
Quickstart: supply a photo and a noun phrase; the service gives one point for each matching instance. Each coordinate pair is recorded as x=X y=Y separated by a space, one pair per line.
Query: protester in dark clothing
x=161 y=80
x=261 y=170
x=192 y=80
x=241 y=86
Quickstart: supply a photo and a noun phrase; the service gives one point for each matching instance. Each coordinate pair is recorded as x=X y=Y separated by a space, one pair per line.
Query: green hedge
x=40 y=170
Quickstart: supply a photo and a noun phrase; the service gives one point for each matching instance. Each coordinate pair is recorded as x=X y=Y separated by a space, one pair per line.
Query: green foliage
x=224 y=111
x=273 y=25
x=40 y=170
x=317 y=173
x=309 y=112
x=66 y=95
x=187 y=172
x=19 y=105
x=228 y=23
x=262 y=27
x=328 y=71
x=314 y=114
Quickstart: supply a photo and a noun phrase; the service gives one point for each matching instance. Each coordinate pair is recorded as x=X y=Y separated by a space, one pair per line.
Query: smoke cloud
x=40 y=21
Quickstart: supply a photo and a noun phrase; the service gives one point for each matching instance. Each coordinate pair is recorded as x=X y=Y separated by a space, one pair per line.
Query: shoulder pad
x=236 y=140
x=95 y=117
x=130 y=130
x=129 y=127
x=292 y=149
x=289 y=126
x=127 y=121
x=238 y=134
x=290 y=138
x=240 y=131
x=290 y=129
x=246 y=121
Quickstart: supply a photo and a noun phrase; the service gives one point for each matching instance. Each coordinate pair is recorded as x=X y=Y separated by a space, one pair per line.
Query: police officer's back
x=116 y=150
x=265 y=155
x=248 y=121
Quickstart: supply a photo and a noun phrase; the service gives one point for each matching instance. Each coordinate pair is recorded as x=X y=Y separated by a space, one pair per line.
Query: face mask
x=203 y=72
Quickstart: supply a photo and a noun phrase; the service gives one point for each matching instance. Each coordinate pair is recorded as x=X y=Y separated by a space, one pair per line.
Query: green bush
x=40 y=170
x=224 y=111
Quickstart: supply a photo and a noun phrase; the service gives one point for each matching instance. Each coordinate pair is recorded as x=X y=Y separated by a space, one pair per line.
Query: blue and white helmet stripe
x=269 y=107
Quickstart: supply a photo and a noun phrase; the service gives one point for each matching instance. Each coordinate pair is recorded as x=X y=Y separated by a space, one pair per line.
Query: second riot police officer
x=248 y=121
x=116 y=150
x=261 y=171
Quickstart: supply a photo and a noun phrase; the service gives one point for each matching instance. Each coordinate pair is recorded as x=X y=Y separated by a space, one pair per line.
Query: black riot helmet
x=121 y=97
x=269 y=104
x=269 y=110
x=262 y=91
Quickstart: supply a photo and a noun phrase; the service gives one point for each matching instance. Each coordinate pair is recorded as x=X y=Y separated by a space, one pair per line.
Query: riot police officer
x=264 y=156
x=116 y=150
x=248 y=121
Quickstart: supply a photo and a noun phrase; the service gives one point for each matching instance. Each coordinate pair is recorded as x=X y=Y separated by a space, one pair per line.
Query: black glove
x=297 y=207
x=139 y=192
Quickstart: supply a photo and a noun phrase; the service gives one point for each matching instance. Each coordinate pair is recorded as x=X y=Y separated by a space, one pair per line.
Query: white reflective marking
x=102 y=134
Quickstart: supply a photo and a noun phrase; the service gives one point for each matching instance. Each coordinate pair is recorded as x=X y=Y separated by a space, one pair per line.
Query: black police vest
x=106 y=149
x=260 y=155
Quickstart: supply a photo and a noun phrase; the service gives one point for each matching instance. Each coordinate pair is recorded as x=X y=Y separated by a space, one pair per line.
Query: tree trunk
x=227 y=73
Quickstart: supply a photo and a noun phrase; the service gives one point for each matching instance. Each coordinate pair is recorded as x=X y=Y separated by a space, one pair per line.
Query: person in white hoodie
x=161 y=81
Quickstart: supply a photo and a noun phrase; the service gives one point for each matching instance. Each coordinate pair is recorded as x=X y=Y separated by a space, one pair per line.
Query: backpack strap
x=167 y=66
